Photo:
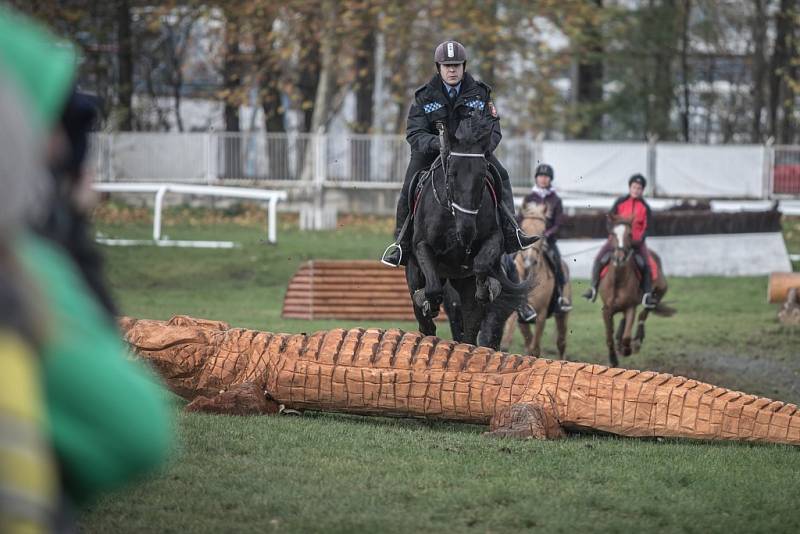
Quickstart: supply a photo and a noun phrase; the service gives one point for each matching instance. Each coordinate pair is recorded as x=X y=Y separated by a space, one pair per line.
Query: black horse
x=458 y=238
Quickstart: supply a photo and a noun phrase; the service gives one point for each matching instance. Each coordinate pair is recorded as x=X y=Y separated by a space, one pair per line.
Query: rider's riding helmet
x=450 y=53
x=639 y=179
x=545 y=169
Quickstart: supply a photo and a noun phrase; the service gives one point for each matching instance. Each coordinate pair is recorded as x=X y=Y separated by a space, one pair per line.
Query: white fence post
x=652 y=141
x=321 y=165
x=209 y=172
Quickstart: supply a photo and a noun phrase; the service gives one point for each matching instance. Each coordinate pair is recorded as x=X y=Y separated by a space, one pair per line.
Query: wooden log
x=779 y=286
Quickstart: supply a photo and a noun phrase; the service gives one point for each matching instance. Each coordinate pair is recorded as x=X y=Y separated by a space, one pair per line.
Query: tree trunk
x=759 y=30
x=590 y=80
x=687 y=11
x=232 y=83
x=319 y=118
x=360 y=155
x=778 y=64
x=125 y=64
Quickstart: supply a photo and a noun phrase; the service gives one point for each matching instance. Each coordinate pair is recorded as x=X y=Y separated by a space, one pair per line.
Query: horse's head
x=619 y=229
x=534 y=219
x=467 y=169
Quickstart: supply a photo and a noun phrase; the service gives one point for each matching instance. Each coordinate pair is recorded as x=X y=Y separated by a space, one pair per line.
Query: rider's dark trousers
x=421 y=161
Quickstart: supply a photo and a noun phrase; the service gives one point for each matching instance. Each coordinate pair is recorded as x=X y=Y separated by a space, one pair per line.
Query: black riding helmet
x=450 y=53
x=639 y=179
x=546 y=170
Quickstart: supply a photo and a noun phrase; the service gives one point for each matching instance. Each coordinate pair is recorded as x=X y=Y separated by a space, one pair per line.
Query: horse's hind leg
x=538 y=334
x=527 y=336
x=620 y=330
x=638 y=339
x=608 y=320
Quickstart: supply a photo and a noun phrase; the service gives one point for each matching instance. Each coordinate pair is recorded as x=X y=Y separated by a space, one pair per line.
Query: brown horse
x=532 y=264
x=621 y=292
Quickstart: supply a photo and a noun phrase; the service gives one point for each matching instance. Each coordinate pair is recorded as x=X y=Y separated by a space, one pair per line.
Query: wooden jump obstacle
x=348 y=289
x=779 y=285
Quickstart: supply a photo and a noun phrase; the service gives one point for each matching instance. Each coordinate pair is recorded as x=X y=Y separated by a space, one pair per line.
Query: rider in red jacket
x=634 y=206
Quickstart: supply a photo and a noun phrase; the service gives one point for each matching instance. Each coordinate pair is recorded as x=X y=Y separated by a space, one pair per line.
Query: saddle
x=654 y=273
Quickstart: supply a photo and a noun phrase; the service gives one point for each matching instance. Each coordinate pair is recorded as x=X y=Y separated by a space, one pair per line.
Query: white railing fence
x=379 y=161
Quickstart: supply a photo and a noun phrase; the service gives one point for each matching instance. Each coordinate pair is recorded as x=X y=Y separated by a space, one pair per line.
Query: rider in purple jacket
x=543 y=193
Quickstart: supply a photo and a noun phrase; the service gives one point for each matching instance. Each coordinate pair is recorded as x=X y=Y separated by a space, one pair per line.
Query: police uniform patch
x=430 y=107
x=476 y=104
x=492 y=109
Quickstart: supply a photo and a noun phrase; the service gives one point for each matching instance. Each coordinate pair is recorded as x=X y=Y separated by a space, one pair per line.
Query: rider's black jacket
x=431 y=104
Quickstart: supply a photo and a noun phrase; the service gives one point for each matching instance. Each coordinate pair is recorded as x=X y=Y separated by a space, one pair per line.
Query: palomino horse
x=621 y=293
x=533 y=264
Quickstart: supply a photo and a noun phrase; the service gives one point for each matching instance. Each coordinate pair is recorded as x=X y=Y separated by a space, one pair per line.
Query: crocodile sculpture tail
x=391 y=372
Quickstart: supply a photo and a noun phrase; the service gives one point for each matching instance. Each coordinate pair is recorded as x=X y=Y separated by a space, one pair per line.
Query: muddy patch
x=776 y=379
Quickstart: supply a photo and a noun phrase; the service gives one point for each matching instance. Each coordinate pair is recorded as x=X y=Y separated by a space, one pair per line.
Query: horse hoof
x=422 y=302
x=636 y=346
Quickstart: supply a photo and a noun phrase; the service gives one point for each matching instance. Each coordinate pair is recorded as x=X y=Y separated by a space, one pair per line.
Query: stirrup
x=386 y=253
x=564 y=305
x=648 y=301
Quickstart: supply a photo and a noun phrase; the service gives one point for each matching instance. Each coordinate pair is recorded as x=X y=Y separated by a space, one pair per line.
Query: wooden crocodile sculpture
x=396 y=373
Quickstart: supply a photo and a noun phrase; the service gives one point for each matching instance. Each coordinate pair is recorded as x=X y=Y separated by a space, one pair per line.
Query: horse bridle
x=451 y=205
x=628 y=253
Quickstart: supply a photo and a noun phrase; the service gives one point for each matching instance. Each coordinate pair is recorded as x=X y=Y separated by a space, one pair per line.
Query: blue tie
x=452 y=93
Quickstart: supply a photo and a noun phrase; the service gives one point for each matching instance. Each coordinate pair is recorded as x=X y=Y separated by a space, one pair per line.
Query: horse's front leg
x=608 y=320
x=471 y=311
x=433 y=285
x=416 y=281
x=630 y=315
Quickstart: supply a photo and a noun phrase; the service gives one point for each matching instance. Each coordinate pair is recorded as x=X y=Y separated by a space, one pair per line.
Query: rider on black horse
x=634 y=206
x=436 y=102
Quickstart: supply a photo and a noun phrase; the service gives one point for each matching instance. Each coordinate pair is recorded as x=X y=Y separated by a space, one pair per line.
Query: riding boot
x=513 y=236
x=591 y=293
x=648 y=300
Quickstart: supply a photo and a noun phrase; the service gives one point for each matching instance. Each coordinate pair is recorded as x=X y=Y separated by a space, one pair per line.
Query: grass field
x=324 y=472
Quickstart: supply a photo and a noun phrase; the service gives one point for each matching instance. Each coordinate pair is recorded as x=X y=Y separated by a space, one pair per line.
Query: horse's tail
x=512 y=296
x=663 y=310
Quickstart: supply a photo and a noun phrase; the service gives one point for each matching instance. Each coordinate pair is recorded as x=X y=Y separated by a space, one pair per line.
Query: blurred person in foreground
x=107 y=416
x=29 y=494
